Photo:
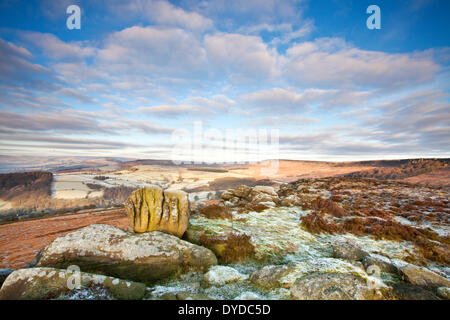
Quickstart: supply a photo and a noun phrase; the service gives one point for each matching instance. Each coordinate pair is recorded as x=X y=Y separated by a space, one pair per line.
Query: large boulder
x=50 y=283
x=152 y=209
x=423 y=277
x=143 y=257
x=331 y=286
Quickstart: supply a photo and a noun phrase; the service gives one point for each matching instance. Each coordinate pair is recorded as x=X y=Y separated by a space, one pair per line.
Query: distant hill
x=399 y=169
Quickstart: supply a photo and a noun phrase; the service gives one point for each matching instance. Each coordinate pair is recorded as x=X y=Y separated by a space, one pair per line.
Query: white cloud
x=334 y=63
x=54 y=48
x=149 y=50
x=162 y=13
x=289 y=100
x=241 y=56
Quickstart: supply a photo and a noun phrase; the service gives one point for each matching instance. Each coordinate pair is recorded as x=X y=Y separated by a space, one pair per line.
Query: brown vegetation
x=430 y=244
x=230 y=248
x=231 y=183
x=402 y=169
x=26 y=190
x=216 y=211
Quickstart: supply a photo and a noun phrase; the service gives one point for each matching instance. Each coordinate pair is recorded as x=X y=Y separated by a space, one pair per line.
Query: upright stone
x=175 y=218
x=152 y=209
x=144 y=208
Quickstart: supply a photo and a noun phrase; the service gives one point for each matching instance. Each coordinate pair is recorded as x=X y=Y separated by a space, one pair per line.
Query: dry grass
x=430 y=244
x=216 y=211
x=233 y=246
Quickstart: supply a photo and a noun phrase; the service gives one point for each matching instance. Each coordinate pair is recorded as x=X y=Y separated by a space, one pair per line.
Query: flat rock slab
x=331 y=286
x=51 y=283
x=143 y=257
x=423 y=277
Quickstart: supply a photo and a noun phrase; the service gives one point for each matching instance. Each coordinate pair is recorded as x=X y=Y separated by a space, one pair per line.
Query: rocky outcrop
x=50 y=283
x=143 y=257
x=331 y=286
x=269 y=276
x=423 y=277
x=152 y=209
x=257 y=198
x=260 y=198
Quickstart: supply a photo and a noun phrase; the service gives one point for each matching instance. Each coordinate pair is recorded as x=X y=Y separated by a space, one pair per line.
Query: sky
x=147 y=78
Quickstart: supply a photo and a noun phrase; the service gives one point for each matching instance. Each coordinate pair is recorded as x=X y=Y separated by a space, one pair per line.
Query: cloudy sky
x=139 y=69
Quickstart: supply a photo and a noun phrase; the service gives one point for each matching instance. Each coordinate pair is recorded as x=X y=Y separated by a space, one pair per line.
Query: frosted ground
x=280 y=240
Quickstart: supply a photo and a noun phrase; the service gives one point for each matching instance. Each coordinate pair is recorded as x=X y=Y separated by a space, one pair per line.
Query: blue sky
x=138 y=70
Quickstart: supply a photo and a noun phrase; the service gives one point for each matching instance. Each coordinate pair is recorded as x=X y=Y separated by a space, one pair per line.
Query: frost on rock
x=50 y=283
x=140 y=257
x=323 y=265
x=220 y=275
x=248 y=295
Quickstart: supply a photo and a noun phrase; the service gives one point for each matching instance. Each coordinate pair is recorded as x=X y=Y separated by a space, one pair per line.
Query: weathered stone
x=331 y=286
x=269 y=276
x=443 y=292
x=263 y=197
x=220 y=275
x=50 y=283
x=412 y=292
x=348 y=251
x=286 y=189
x=263 y=189
x=152 y=209
x=242 y=191
x=227 y=195
x=143 y=257
x=383 y=263
x=423 y=277
x=291 y=201
x=175 y=216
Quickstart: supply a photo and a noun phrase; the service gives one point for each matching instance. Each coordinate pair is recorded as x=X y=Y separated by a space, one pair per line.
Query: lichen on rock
x=152 y=209
x=141 y=257
x=51 y=283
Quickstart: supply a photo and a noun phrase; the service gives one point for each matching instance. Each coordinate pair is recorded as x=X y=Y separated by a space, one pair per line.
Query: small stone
x=220 y=275
x=443 y=292
x=248 y=295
